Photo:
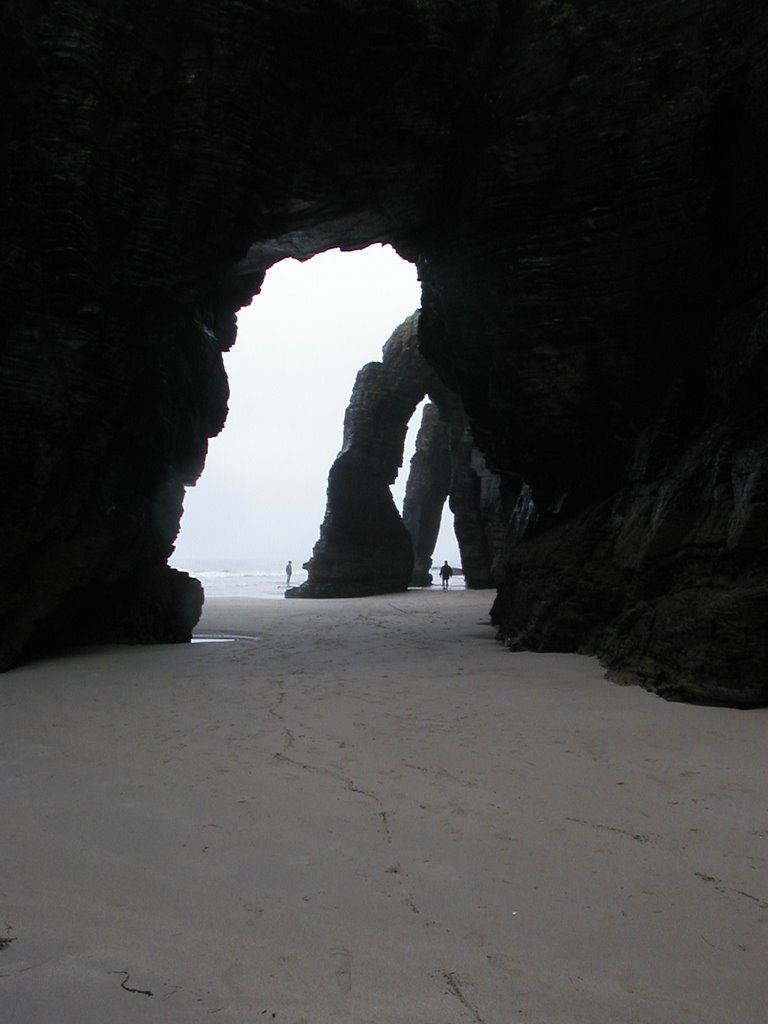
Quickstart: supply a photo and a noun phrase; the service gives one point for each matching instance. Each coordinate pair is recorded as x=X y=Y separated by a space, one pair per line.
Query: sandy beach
x=370 y=812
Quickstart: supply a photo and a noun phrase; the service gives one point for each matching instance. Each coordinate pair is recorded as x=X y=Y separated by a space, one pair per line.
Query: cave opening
x=301 y=342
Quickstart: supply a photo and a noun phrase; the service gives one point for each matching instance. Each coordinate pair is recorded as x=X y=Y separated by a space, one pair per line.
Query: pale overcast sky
x=300 y=343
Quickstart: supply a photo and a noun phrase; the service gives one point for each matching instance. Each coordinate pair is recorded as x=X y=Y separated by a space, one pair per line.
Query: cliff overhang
x=582 y=189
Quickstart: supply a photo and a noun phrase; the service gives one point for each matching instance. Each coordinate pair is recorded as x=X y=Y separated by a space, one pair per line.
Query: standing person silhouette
x=445 y=574
x=288 y=571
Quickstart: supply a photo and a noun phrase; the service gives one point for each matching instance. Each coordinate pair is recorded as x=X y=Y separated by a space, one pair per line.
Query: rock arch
x=582 y=189
x=427 y=489
x=365 y=547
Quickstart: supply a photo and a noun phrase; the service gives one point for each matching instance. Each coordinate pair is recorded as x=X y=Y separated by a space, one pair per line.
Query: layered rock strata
x=582 y=187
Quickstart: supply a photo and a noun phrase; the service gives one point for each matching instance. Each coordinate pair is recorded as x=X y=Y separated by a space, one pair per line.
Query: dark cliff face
x=582 y=186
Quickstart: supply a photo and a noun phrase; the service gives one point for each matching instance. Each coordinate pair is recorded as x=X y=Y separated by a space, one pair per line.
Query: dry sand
x=369 y=811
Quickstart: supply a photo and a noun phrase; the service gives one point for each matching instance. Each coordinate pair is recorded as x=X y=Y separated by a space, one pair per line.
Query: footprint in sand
x=342 y=968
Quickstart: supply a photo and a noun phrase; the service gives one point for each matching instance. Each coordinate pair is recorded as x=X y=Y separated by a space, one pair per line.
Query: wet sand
x=369 y=811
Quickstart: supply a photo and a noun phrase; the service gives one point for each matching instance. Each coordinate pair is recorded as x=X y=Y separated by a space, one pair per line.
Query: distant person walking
x=445 y=574
x=288 y=571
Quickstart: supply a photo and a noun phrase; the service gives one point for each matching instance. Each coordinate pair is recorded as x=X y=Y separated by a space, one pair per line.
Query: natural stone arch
x=365 y=546
x=158 y=165
x=426 y=491
x=447 y=465
x=586 y=207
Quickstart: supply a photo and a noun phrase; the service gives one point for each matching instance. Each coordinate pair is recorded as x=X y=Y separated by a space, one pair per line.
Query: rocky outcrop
x=582 y=189
x=364 y=548
x=426 y=491
x=448 y=464
x=664 y=580
x=480 y=513
x=625 y=396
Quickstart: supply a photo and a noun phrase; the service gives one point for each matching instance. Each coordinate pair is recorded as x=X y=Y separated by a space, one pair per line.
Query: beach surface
x=368 y=811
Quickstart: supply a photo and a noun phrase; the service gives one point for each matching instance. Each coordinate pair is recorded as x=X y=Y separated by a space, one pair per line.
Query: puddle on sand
x=223 y=639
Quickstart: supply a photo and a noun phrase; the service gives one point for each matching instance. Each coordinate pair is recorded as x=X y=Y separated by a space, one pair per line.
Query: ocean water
x=259 y=579
x=242 y=579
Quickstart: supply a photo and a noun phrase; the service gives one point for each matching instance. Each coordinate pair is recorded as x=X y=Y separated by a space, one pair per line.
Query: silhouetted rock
x=426 y=491
x=582 y=188
x=480 y=514
x=364 y=547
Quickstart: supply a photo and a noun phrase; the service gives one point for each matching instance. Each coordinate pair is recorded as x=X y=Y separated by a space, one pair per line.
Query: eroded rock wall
x=480 y=513
x=619 y=353
x=426 y=491
x=582 y=186
x=156 y=159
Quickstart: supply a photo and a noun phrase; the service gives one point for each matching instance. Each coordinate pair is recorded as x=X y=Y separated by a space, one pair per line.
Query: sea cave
x=581 y=187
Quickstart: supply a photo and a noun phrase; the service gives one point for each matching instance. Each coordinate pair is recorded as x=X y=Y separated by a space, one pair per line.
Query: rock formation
x=365 y=547
x=480 y=513
x=426 y=491
x=582 y=187
x=448 y=465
